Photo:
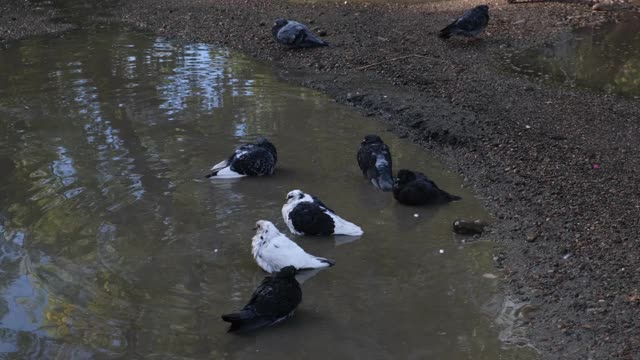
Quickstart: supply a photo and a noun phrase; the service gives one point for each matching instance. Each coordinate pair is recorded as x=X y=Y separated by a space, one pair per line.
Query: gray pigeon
x=470 y=24
x=295 y=35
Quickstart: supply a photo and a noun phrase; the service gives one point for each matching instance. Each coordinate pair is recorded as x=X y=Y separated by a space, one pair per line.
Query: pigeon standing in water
x=374 y=159
x=295 y=35
x=470 y=24
x=307 y=215
x=257 y=159
x=414 y=188
x=274 y=251
x=275 y=299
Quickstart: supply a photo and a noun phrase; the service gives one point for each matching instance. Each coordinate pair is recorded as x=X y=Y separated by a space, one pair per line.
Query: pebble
x=441 y=251
x=468 y=227
x=416 y=215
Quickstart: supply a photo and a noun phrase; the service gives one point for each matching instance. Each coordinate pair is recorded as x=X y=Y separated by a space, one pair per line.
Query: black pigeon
x=273 y=301
x=257 y=159
x=374 y=159
x=414 y=188
x=295 y=35
x=470 y=24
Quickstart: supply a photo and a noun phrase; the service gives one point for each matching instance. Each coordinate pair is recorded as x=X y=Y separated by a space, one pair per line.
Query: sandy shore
x=557 y=167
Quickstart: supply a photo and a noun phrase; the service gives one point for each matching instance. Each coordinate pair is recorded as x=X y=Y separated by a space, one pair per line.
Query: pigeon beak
x=255 y=228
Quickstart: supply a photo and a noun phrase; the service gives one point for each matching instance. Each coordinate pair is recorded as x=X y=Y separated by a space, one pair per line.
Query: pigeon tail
x=224 y=173
x=328 y=262
x=449 y=197
x=244 y=320
x=343 y=227
x=312 y=41
x=447 y=31
x=384 y=182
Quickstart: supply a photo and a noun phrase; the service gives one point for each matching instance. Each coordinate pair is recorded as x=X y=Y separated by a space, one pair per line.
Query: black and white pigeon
x=257 y=159
x=275 y=300
x=470 y=24
x=307 y=215
x=374 y=159
x=295 y=35
x=273 y=251
x=414 y=188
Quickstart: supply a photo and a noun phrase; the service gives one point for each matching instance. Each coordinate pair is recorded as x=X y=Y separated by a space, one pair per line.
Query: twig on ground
x=395 y=59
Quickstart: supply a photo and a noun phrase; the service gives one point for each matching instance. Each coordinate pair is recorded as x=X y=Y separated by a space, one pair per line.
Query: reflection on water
x=605 y=59
x=112 y=245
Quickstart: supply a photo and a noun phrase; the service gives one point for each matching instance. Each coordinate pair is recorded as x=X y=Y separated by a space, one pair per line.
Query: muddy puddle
x=112 y=245
x=604 y=59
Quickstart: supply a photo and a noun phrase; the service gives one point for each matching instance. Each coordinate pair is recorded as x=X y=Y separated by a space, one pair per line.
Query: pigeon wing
x=257 y=162
x=291 y=34
x=275 y=298
x=472 y=20
x=366 y=158
x=311 y=219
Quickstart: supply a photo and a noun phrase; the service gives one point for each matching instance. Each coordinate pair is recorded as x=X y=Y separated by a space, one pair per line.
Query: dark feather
x=374 y=159
x=311 y=219
x=275 y=299
x=257 y=159
x=470 y=24
x=296 y=35
x=414 y=188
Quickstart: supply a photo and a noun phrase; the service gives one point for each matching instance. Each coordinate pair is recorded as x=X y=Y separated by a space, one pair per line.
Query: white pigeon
x=307 y=215
x=273 y=251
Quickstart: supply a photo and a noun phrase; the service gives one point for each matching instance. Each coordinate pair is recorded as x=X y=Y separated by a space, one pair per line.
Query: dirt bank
x=557 y=167
x=21 y=18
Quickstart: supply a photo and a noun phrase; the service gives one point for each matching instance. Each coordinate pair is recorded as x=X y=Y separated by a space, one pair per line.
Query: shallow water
x=112 y=245
x=603 y=59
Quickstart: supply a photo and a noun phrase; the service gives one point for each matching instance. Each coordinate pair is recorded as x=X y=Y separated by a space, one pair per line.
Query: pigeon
x=414 y=188
x=295 y=35
x=275 y=299
x=307 y=215
x=274 y=251
x=470 y=24
x=257 y=159
x=374 y=159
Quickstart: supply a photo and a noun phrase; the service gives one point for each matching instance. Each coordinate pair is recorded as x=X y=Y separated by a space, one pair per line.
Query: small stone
x=322 y=33
x=416 y=215
x=441 y=251
x=467 y=227
x=489 y=276
x=532 y=237
x=262 y=23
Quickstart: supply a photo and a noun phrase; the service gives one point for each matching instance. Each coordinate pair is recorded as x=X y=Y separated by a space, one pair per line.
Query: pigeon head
x=371 y=139
x=279 y=24
x=287 y=272
x=405 y=176
x=483 y=8
x=296 y=195
x=266 y=230
x=266 y=144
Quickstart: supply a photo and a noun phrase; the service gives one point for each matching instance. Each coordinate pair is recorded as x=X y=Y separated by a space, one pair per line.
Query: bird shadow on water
x=345 y=239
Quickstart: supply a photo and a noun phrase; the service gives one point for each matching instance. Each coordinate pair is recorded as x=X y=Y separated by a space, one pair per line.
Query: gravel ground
x=21 y=18
x=556 y=166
